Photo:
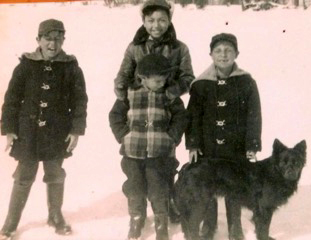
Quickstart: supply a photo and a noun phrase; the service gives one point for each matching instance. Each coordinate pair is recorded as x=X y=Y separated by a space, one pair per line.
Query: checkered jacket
x=148 y=125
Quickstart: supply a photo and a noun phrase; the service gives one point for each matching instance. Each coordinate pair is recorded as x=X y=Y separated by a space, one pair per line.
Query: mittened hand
x=10 y=137
x=73 y=141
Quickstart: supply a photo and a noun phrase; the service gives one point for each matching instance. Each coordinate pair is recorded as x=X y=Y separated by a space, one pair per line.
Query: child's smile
x=157 y=23
x=51 y=44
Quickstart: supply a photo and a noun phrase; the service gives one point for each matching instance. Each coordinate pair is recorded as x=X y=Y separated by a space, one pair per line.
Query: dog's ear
x=278 y=147
x=301 y=147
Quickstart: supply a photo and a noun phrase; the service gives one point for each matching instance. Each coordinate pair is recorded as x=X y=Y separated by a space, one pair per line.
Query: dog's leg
x=210 y=220
x=262 y=219
x=233 y=212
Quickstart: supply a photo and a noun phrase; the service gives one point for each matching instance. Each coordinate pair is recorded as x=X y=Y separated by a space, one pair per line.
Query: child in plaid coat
x=149 y=126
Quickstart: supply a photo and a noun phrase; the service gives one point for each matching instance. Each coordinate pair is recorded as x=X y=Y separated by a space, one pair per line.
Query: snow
x=274 y=47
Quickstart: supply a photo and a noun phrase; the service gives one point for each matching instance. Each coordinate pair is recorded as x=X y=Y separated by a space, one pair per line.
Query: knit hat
x=164 y=4
x=154 y=64
x=227 y=37
x=50 y=25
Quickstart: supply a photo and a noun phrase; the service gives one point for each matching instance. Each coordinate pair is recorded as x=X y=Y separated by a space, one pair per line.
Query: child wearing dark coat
x=157 y=35
x=43 y=115
x=225 y=121
x=149 y=126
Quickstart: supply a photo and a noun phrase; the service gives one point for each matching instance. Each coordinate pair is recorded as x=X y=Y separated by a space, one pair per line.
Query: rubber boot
x=210 y=221
x=161 y=226
x=233 y=212
x=137 y=209
x=55 y=195
x=19 y=196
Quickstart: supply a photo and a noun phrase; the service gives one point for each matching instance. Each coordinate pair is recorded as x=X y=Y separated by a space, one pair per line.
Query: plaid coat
x=148 y=126
x=176 y=51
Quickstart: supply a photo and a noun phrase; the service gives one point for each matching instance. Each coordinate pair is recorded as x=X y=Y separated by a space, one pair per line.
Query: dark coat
x=225 y=115
x=148 y=125
x=173 y=49
x=45 y=101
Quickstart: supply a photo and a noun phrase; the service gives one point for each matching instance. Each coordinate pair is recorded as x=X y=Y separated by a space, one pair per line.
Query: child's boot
x=137 y=209
x=161 y=226
x=19 y=196
x=55 y=195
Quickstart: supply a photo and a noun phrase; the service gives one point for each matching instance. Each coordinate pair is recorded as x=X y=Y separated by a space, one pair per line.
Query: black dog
x=262 y=187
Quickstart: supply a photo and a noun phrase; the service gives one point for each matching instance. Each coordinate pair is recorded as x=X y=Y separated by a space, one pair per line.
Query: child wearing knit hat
x=157 y=35
x=149 y=126
x=225 y=116
x=43 y=115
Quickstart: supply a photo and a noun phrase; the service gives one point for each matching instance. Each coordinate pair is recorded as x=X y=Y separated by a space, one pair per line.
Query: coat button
x=221 y=123
x=47 y=68
x=43 y=104
x=45 y=86
x=41 y=123
x=222 y=82
x=221 y=103
x=220 y=141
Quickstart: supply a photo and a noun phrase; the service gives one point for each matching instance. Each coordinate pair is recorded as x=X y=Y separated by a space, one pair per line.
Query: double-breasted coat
x=44 y=102
x=225 y=115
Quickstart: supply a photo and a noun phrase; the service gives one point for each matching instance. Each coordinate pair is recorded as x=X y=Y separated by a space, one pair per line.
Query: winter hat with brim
x=50 y=25
x=224 y=37
x=154 y=64
x=163 y=4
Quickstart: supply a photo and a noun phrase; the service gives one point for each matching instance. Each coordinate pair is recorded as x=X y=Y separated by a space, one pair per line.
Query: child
x=225 y=114
x=157 y=35
x=43 y=114
x=149 y=126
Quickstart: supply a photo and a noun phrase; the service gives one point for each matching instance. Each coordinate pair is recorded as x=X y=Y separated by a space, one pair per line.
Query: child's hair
x=154 y=64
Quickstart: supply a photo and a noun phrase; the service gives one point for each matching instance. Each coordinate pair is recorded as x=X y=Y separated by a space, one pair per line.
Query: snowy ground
x=274 y=46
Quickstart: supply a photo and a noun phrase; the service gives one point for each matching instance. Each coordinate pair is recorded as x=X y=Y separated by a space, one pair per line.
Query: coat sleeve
x=254 y=120
x=118 y=119
x=194 y=131
x=78 y=104
x=185 y=75
x=126 y=74
x=179 y=120
x=12 y=102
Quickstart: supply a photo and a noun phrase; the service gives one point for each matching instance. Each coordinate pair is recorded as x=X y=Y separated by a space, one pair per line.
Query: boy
x=157 y=35
x=225 y=114
x=149 y=126
x=43 y=114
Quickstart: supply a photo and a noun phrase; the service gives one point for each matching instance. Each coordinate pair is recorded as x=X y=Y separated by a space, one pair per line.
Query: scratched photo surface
x=274 y=47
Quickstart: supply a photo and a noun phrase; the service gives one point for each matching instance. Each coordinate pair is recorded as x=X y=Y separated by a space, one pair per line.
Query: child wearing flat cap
x=225 y=122
x=149 y=128
x=43 y=115
x=157 y=35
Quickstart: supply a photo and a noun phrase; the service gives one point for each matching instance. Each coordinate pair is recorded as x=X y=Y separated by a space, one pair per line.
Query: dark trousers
x=26 y=172
x=24 y=176
x=147 y=179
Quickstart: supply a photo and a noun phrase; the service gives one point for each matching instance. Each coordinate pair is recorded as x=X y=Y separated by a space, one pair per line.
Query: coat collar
x=61 y=57
x=142 y=36
x=211 y=74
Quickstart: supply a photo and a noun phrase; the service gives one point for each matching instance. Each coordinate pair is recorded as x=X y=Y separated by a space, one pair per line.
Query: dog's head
x=290 y=161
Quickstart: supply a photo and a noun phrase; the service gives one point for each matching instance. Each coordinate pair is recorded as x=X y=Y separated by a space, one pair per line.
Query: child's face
x=51 y=44
x=157 y=23
x=154 y=82
x=224 y=55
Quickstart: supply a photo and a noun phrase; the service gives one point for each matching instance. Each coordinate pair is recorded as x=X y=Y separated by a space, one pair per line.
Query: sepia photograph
x=155 y=120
